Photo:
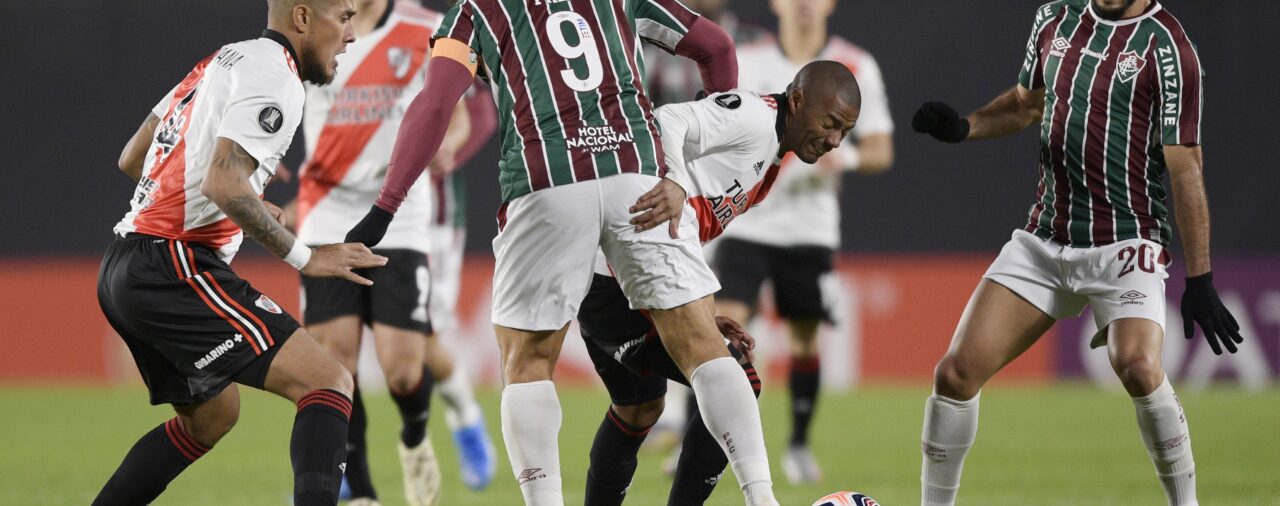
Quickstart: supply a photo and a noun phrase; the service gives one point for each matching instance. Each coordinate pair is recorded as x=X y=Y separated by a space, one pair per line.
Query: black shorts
x=397 y=298
x=796 y=273
x=192 y=324
x=625 y=348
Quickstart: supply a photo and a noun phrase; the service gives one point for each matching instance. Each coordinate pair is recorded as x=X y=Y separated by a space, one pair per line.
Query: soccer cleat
x=364 y=501
x=421 y=473
x=475 y=453
x=800 y=466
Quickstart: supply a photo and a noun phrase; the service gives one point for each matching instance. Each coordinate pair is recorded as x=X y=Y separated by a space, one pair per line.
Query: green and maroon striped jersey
x=1116 y=93
x=567 y=76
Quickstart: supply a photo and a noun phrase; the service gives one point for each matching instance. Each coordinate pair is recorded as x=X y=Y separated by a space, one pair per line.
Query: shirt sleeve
x=262 y=112
x=1181 y=94
x=162 y=106
x=459 y=24
x=874 y=118
x=663 y=23
x=1031 y=76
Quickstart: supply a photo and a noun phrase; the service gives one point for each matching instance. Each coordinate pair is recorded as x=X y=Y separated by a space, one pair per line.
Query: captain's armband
x=455 y=50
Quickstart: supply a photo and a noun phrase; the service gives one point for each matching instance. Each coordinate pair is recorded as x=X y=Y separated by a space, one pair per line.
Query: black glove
x=1200 y=304
x=940 y=121
x=371 y=228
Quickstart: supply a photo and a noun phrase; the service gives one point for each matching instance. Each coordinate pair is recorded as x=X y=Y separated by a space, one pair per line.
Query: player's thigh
x=544 y=256
x=209 y=420
x=689 y=334
x=626 y=388
x=340 y=337
x=996 y=327
x=302 y=366
x=742 y=267
x=1124 y=280
x=655 y=270
x=528 y=355
x=400 y=352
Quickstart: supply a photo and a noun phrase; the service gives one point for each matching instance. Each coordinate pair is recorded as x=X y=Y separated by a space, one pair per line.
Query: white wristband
x=299 y=255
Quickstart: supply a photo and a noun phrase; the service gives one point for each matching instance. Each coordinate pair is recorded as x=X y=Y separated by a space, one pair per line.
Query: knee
x=209 y=427
x=953 y=379
x=641 y=415
x=1139 y=374
x=404 y=378
x=336 y=378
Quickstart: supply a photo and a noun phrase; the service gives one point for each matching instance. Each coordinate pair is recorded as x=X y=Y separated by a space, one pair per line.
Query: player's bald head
x=825 y=104
x=826 y=78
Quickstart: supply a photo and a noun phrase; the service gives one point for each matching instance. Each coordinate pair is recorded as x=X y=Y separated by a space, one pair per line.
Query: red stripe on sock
x=809 y=364
x=328 y=398
x=171 y=429
x=625 y=427
x=181 y=430
x=333 y=396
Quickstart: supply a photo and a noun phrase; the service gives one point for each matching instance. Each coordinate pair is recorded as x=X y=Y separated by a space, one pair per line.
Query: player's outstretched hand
x=1200 y=304
x=663 y=204
x=737 y=336
x=338 y=261
x=941 y=122
x=371 y=228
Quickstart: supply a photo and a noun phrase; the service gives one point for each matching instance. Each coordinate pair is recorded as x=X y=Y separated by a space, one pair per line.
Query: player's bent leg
x=530 y=411
x=401 y=354
x=463 y=415
x=321 y=387
x=1134 y=348
x=805 y=380
x=162 y=454
x=614 y=450
x=724 y=393
x=341 y=336
x=997 y=326
x=701 y=462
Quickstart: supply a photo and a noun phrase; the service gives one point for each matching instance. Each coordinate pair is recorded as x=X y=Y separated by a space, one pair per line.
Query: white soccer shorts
x=1120 y=280
x=546 y=248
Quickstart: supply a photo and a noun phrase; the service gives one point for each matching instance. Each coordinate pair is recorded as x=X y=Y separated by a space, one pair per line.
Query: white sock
x=729 y=409
x=1164 y=430
x=950 y=427
x=530 y=427
x=458 y=397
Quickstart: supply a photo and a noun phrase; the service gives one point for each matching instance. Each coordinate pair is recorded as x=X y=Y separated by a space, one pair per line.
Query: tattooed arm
x=227 y=185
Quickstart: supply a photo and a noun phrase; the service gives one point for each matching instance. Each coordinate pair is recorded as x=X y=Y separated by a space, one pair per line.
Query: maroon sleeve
x=712 y=48
x=484 y=121
x=423 y=128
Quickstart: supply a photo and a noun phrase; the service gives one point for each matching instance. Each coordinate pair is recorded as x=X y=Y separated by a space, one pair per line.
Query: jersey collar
x=784 y=108
x=1151 y=11
x=283 y=41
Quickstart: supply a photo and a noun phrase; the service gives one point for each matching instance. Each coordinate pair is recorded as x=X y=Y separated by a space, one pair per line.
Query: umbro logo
x=1132 y=295
x=1059 y=47
x=530 y=474
x=729 y=101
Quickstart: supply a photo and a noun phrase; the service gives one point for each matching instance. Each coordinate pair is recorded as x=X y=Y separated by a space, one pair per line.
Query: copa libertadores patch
x=270 y=119
x=729 y=101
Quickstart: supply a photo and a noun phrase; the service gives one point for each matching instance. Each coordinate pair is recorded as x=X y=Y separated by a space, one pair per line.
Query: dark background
x=80 y=75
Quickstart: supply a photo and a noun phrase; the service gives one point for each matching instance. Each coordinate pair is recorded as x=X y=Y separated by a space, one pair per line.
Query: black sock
x=358 y=477
x=806 y=376
x=702 y=461
x=318 y=447
x=154 y=461
x=415 y=408
x=613 y=460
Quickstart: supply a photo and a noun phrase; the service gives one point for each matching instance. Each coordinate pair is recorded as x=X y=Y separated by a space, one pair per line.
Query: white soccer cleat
x=364 y=501
x=800 y=466
x=421 y=473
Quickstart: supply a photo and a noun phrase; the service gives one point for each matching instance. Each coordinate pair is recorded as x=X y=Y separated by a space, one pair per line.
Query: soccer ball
x=846 y=499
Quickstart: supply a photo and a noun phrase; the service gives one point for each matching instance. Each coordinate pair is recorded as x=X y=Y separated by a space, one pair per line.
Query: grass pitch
x=1055 y=445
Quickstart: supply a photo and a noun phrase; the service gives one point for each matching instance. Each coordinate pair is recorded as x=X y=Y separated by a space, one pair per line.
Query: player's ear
x=301 y=16
x=795 y=99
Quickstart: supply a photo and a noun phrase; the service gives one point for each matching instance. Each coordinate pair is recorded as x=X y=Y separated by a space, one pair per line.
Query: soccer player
x=768 y=245
x=201 y=159
x=671 y=79
x=350 y=128
x=579 y=147
x=1114 y=87
x=726 y=150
